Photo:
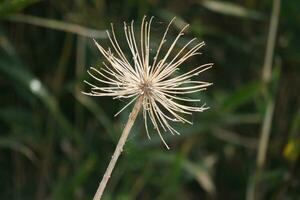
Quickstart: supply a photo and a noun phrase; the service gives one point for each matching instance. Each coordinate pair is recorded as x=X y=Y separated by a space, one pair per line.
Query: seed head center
x=146 y=87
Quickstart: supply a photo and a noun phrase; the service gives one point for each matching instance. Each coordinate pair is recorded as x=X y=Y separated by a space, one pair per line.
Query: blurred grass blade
x=199 y=171
x=227 y=8
x=13 y=6
x=64 y=187
x=39 y=90
x=18 y=147
x=11 y=66
x=242 y=95
x=202 y=176
x=235 y=138
x=96 y=110
x=241 y=118
x=58 y=25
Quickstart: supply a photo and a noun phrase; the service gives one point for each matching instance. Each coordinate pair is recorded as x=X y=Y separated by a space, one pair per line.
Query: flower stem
x=119 y=148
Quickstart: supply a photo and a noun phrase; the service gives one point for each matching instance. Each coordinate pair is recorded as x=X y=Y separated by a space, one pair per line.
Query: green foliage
x=12 y=6
x=55 y=143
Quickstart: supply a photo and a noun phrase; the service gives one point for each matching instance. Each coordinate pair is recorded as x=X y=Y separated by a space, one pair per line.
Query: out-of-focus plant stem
x=253 y=191
x=58 y=25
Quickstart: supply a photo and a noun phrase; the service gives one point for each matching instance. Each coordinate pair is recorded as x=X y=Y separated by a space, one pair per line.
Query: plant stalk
x=254 y=192
x=119 y=148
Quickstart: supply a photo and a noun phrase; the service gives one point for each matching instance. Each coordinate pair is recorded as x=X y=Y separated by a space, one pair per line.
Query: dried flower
x=152 y=80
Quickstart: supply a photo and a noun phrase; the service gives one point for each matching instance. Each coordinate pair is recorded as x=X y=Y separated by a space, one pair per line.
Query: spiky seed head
x=151 y=79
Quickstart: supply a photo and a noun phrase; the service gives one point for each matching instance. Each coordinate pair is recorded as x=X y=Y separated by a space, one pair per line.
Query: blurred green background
x=55 y=143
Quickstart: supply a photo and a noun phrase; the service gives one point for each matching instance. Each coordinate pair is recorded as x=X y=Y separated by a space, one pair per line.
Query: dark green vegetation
x=55 y=143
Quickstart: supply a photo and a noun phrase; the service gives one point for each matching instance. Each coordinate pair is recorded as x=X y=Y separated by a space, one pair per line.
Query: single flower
x=154 y=80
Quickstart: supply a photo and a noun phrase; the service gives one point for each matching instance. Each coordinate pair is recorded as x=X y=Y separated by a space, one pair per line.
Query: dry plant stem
x=267 y=72
x=265 y=135
x=119 y=148
x=253 y=191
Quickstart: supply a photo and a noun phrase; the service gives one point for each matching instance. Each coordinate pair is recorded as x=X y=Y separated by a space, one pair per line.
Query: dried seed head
x=162 y=92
